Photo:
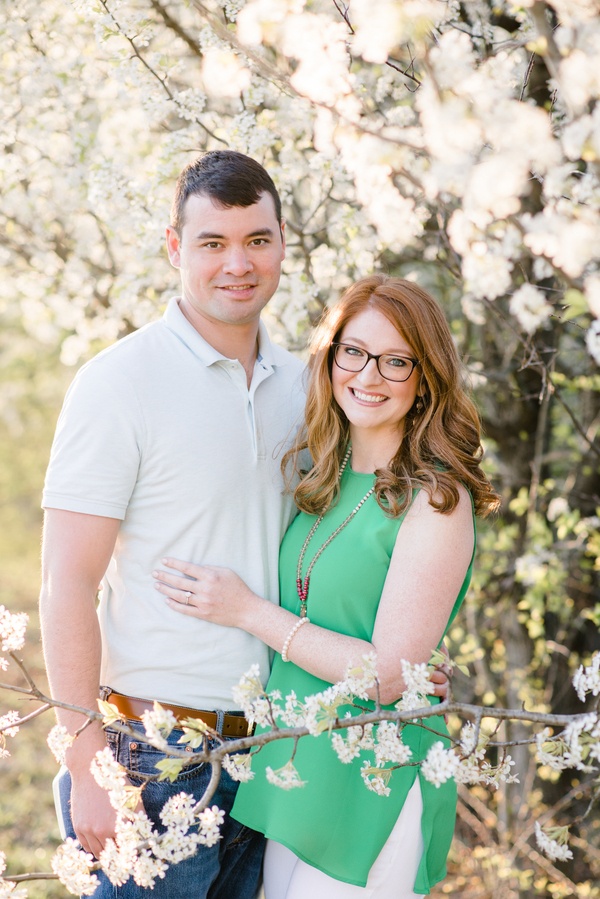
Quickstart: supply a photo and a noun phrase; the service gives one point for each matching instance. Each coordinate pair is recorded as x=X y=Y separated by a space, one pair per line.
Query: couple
x=170 y=447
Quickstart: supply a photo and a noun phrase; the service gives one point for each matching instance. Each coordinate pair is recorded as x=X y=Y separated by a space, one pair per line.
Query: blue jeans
x=231 y=869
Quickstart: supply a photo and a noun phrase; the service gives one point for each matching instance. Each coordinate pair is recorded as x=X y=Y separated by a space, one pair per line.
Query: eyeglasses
x=392 y=368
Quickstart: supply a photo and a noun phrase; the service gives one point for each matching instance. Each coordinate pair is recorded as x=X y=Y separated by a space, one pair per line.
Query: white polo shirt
x=162 y=432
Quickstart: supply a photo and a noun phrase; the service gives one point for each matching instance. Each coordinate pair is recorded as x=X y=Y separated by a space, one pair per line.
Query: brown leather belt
x=227 y=724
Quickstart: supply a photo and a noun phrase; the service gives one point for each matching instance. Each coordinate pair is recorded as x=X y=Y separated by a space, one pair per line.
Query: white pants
x=391 y=877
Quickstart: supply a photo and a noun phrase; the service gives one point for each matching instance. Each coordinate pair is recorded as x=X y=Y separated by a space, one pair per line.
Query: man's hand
x=92 y=814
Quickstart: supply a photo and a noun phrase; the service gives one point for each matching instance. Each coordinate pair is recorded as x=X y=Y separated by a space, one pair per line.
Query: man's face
x=229 y=259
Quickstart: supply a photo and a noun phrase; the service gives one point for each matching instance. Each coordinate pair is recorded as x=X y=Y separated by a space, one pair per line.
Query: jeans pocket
x=141 y=759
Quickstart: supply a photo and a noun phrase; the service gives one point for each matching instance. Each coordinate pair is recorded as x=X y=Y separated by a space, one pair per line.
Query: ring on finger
x=188 y=594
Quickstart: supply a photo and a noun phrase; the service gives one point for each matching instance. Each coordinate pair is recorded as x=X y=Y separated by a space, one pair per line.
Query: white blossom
x=224 y=73
x=249 y=688
x=553 y=842
x=532 y=567
x=360 y=679
x=592 y=341
x=440 y=764
x=350 y=746
x=321 y=709
x=239 y=766
x=577 y=736
x=468 y=738
x=158 y=724
x=550 y=751
x=9 y=723
x=416 y=677
x=12 y=629
x=557 y=507
x=286 y=777
x=112 y=777
x=178 y=811
x=59 y=740
x=116 y=862
x=587 y=679
x=72 y=867
x=292 y=714
x=210 y=821
x=389 y=746
x=528 y=304
x=376 y=779
x=106 y=770
x=8 y=888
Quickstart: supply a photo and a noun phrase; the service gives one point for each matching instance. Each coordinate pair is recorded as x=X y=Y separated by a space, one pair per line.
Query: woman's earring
x=419 y=405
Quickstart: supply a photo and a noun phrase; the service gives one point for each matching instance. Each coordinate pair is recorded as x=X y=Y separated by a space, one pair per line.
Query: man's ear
x=282 y=239
x=173 y=244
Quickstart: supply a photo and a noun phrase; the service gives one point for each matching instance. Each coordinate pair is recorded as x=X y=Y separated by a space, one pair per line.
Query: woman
x=379 y=558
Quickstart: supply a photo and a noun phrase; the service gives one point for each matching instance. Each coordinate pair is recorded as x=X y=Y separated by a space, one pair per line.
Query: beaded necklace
x=303 y=584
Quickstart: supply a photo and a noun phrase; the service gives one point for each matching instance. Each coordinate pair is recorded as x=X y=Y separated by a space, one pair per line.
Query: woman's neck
x=370 y=452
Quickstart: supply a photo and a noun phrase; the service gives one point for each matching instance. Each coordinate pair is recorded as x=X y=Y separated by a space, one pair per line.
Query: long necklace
x=303 y=584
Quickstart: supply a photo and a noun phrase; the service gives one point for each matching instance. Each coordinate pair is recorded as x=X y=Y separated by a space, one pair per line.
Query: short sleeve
x=97 y=447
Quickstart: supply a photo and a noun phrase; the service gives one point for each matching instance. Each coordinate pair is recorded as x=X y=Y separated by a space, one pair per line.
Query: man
x=170 y=443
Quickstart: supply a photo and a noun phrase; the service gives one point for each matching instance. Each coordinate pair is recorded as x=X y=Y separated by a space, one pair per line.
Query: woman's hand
x=205 y=591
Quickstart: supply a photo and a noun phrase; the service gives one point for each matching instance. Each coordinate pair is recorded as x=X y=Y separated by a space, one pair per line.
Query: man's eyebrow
x=211 y=235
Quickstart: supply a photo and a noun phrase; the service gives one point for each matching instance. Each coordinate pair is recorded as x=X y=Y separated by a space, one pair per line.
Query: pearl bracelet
x=290 y=637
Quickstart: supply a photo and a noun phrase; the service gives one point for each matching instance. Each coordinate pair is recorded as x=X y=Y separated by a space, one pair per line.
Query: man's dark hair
x=227 y=177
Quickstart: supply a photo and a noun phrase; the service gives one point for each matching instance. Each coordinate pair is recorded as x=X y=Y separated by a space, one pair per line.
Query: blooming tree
x=457 y=144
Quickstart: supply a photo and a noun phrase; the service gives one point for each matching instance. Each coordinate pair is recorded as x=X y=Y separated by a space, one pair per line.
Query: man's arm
x=76 y=551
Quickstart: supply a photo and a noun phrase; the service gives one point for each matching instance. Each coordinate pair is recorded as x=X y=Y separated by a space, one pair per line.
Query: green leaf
x=170 y=768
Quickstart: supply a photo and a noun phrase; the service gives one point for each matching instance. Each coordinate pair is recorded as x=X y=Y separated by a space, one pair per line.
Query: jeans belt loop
x=220 y=721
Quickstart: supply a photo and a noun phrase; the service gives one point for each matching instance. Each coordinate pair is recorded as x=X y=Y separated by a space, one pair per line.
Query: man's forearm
x=76 y=552
x=71 y=640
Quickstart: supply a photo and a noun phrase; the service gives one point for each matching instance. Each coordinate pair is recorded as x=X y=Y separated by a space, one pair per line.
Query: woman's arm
x=427 y=569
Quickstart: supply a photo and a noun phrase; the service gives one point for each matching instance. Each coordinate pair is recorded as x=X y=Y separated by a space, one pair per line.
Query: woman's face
x=373 y=404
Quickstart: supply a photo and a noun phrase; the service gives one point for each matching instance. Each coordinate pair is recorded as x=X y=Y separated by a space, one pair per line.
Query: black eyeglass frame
x=336 y=344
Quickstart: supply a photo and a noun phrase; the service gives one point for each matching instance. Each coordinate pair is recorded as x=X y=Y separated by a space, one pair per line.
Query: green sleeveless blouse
x=334 y=822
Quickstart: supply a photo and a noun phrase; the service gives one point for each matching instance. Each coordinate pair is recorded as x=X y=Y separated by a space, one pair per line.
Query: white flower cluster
x=587 y=680
x=158 y=724
x=468 y=764
x=232 y=8
x=12 y=632
x=553 y=842
x=239 y=766
x=9 y=724
x=376 y=779
x=530 y=307
x=440 y=764
x=130 y=855
x=389 y=746
x=350 y=746
x=286 y=777
x=577 y=746
x=59 y=740
x=138 y=850
x=416 y=679
x=361 y=679
x=112 y=777
x=321 y=709
x=249 y=695
x=210 y=820
x=8 y=888
x=72 y=867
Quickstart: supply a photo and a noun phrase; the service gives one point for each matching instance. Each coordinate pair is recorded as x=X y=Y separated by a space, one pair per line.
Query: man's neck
x=235 y=341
